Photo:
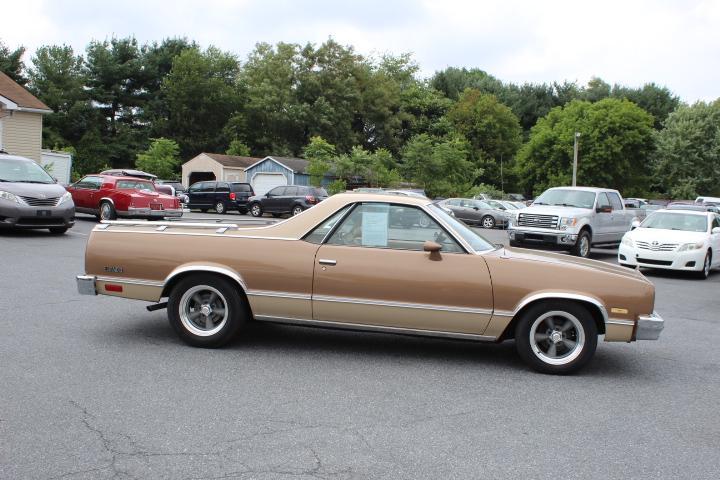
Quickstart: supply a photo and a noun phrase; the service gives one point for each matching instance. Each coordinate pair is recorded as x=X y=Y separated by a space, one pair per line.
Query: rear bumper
x=149 y=213
x=649 y=327
x=86 y=285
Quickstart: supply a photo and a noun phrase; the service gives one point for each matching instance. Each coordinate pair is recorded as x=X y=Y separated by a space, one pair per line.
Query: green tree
x=597 y=89
x=687 y=163
x=657 y=101
x=454 y=81
x=615 y=147
x=160 y=159
x=11 y=63
x=320 y=154
x=202 y=96
x=491 y=128
x=440 y=165
x=238 y=148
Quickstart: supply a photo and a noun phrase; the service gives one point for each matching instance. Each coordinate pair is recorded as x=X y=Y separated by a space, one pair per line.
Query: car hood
x=49 y=190
x=555 y=210
x=561 y=259
x=666 y=236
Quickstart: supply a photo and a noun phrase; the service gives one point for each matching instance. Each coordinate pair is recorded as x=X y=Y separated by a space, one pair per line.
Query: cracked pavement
x=99 y=388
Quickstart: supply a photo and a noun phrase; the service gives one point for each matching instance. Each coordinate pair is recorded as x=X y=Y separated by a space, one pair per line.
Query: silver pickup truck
x=572 y=218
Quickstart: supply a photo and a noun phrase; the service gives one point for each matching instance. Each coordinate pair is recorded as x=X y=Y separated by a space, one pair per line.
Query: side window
x=615 y=201
x=222 y=187
x=716 y=221
x=90 y=182
x=398 y=227
x=321 y=231
x=207 y=187
x=292 y=192
x=194 y=188
x=602 y=201
x=276 y=192
x=454 y=202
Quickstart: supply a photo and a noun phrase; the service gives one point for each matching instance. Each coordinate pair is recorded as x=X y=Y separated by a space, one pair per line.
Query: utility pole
x=575 y=158
x=502 y=184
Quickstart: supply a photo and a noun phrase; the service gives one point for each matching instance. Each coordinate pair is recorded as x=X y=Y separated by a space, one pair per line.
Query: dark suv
x=292 y=199
x=219 y=196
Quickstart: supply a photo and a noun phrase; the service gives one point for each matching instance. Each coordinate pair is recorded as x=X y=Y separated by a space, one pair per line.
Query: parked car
x=31 y=199
x=130 y=173
x=109 y=196
x=698 y=207
x=678 y=239
x=477 y=212
x=290 y=199
x=713 y=200
x=573 y=218
x=220 y=196
x=178 y=189
x=341 y=265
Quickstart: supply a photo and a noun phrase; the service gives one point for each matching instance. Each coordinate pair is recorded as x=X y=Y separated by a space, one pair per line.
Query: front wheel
x=582 y=246
x=487 y=222
x=206 y=310
x=704 y=273
x=556 y=337
x=220 y=208
x=256 y=210
x=107 y=211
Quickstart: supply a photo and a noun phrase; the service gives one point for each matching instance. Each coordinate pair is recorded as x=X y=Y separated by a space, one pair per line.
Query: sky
x=672 y=43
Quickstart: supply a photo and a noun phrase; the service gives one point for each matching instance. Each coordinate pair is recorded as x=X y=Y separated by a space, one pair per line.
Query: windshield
x=477 y=242
x=566 y=198
x=135 y=185
x=23 y=171
x=676 y=221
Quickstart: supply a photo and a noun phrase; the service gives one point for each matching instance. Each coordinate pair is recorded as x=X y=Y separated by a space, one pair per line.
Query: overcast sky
x=670 y=42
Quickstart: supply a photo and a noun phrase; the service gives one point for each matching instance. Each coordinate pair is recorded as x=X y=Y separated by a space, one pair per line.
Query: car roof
x=691 y=211
x=7 y=156
x=585 y=189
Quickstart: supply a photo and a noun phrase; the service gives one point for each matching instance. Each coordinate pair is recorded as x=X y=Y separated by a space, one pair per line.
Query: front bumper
x=28 y=217
x=649 y=327
x=134 y=212
x=690 y=260
x=86 y=285
x=561 y=239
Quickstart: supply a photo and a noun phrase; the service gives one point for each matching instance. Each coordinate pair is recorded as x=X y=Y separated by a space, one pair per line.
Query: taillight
x=232 y=196
x=310 y=199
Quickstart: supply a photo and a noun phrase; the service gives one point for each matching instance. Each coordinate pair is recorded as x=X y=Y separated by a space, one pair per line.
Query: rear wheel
x=220 y=207
x=556 y=337
x=58 y=230
x=487 y=222
x=206 y=310
x=256 y=210
x=107 y=211
x=582 y=246
x=297 y=210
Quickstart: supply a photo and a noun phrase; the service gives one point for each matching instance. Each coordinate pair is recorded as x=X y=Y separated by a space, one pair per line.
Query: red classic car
x=109 y=197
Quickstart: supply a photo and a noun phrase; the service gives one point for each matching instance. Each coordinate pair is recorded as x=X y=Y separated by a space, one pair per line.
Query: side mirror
x=635 y=224
x=476 y=208
x=431 y=247
x=715 y=231
x=267 y=195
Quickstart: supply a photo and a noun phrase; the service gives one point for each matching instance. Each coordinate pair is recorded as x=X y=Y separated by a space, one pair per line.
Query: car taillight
x=310 y=199
x=232 y=196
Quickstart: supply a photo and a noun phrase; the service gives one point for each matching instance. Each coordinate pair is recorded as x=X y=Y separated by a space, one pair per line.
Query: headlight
x=627 y=241
x=691 y=246
x=11 y=197
x=566 y=222
x=66 y=196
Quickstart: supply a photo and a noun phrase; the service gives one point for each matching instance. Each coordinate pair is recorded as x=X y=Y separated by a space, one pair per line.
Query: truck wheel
x=487 y=222
x=556 y=337
x=582 y=246
x=107 y=211
x=206 y=310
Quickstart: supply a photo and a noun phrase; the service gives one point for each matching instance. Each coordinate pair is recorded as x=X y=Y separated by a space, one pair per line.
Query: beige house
x=215 y=166
x=21 y=117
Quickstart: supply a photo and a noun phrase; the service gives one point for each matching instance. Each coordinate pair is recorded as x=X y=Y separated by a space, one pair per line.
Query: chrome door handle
x=324 y=261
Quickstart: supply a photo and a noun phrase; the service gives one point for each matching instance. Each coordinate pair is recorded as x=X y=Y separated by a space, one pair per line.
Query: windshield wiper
x=563 y=205
x=32 y=181
x=539 y=203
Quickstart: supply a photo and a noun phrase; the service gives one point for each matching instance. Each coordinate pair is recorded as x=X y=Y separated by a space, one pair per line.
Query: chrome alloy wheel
x=557 y=337
x=706 y=266
x=297 y=210
x=203 y=310
x=488 y=222
x=105 y=211
x=255 y=210
x=584 y=246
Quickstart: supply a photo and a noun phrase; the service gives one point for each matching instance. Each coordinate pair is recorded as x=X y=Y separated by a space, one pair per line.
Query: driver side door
x=371 y=272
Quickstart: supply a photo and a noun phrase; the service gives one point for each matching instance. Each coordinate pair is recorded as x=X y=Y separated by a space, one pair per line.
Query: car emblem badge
x=655 y=243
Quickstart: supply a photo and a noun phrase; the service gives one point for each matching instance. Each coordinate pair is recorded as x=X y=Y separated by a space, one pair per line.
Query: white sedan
x=675 y=240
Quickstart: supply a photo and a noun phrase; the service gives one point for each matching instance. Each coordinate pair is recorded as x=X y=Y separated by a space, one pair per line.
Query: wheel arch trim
x=203 y=268
x=563 y=296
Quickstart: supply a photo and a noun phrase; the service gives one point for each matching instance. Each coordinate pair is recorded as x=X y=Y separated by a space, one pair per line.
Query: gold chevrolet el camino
x=377 y=263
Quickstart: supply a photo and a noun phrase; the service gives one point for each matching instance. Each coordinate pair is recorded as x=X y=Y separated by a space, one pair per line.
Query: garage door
x=264 y=182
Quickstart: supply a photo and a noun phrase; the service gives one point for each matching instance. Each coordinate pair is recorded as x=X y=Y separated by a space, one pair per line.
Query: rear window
x=241 y=187
x=135 y=185
x=319 y=192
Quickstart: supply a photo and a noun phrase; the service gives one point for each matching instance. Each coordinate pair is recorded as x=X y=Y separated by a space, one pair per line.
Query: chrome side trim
x=503 y=313
x=615 y=321
x=153 y=232
x=158 y=223
x=129 y=281
x=207 y=268
x=563 y=295
x=326 y=261
x=108 y=199
x=419 y=306
x=374 y=328
x=268 y=293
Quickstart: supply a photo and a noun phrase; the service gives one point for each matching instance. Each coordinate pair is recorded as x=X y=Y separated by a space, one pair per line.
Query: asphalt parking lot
x=96 y=387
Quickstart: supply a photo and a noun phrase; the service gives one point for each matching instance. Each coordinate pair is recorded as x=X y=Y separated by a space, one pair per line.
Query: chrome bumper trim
x=649 y=327
x=86 y=285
